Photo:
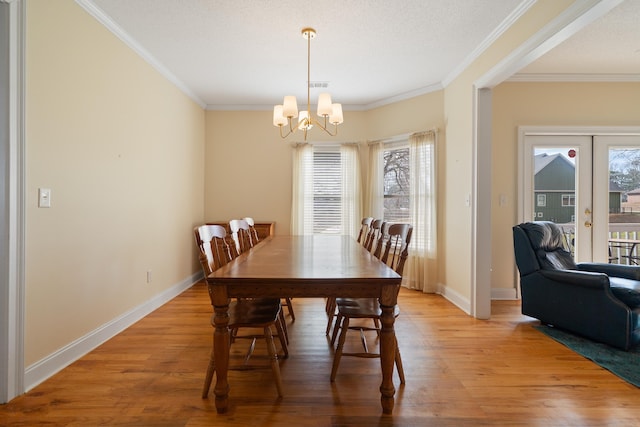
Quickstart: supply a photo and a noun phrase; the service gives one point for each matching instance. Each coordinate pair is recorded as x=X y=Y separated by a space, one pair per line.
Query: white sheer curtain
x=374 y=201
x=420 y=271
x=351 y=208
x=302 y=190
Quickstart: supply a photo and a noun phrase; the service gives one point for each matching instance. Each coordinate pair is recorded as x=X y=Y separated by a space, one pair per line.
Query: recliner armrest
x=615 y=270
x=578 y=278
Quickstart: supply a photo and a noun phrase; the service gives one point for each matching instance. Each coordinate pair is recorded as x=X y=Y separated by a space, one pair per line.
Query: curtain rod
x=401 y=137
x=327 y=143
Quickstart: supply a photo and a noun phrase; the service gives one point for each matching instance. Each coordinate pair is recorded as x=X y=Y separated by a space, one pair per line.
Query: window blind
x=327 y=191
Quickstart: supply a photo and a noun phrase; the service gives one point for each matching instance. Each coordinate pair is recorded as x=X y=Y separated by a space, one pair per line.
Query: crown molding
x=403 y=96
x=486 y=43
x=576 y=77
x=264 y=107
x=346 y=107
x=93 y=10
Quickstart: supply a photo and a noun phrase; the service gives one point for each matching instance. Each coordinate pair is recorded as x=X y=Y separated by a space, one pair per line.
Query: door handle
x=587 y=224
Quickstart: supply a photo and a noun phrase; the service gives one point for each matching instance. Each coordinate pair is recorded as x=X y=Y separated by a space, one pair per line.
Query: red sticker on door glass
x=572 y=153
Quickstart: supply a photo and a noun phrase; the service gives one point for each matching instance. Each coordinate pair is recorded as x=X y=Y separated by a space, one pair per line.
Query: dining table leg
x=221 y=345
x=387 y=351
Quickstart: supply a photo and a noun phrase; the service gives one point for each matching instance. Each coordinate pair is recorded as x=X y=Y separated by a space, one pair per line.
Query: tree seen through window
x=396 y=185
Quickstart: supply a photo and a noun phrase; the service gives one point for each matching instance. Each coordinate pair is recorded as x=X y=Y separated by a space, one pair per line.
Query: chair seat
x=257 y=313
x=362 y=307
x=250 y=313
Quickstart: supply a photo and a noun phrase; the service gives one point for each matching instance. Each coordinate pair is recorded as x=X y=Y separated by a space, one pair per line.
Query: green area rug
x=625 y=364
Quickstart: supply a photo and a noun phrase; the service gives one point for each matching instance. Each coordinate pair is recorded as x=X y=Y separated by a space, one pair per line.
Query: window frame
x=541 y=200
x=571 y=200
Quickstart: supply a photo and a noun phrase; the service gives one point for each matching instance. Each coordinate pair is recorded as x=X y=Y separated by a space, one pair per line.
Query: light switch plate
x=44 y=197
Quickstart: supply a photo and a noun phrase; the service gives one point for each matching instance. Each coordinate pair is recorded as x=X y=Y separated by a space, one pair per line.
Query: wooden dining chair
x=242 y=236
x=249 y=314
x=394 y=254
x=374 y=234
x=254 y=239
x=372 y=240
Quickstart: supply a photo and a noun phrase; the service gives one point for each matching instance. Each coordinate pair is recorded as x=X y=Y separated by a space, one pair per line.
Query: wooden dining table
x=304 y=266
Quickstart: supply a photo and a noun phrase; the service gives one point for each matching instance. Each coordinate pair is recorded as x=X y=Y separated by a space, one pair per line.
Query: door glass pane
x=554 y=197
x=624 y=205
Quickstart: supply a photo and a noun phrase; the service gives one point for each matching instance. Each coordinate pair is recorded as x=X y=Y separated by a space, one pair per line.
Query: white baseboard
x=50 y=365
x=504 y=294
x=464 y=304
x=455 y=298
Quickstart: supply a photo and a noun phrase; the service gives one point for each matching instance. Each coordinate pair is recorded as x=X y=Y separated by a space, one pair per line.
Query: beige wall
x=412 y=115
x=543 y=104
x=248 y=169
x=121 y=149
x=457 y=159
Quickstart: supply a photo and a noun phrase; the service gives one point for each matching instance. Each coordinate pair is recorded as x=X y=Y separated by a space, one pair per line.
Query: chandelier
x=331 y=114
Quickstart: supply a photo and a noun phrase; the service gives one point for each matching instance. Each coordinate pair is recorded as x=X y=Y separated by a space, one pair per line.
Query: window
x=396 y=184
x=405 y=172
x=326 y=190
x=542 y=200
x=402 y=188
x=568 y=200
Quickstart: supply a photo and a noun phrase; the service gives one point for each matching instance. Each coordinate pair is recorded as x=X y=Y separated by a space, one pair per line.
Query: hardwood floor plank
x=460 y=371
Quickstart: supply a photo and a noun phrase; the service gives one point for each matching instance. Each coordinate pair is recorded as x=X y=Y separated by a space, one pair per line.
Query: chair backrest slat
x=252 y=230
x=374 y=235
x=241 y=235
x=365 y=226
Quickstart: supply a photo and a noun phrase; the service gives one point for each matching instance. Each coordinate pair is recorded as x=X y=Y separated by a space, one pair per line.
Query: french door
x=616 y=180
x=584 y=183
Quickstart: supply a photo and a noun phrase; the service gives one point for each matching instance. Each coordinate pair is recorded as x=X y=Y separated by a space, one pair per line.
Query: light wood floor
x=460 y=371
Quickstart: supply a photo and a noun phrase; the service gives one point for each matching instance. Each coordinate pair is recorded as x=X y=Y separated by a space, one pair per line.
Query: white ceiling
x=232 y=54
x=608 y=46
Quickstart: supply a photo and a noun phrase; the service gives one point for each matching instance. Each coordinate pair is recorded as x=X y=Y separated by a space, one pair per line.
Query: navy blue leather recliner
x=596 y=300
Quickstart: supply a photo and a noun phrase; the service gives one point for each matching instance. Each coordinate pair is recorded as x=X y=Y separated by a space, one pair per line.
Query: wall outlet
x=148 y=276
